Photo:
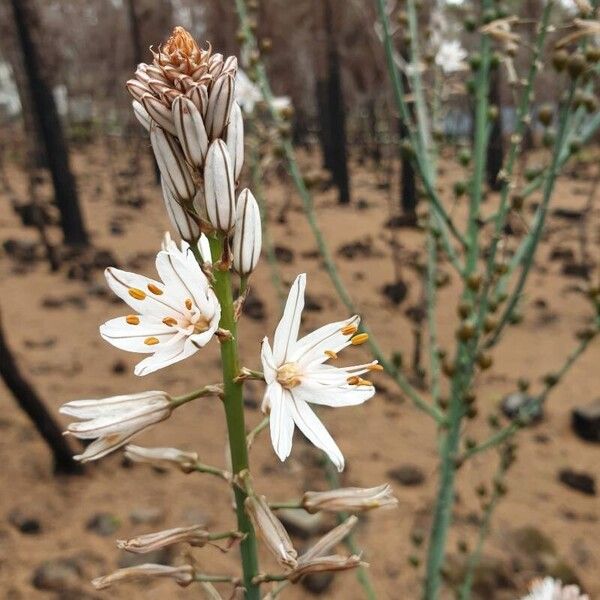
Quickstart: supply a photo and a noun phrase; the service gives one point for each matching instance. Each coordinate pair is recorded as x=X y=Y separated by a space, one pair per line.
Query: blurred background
x=79 y=192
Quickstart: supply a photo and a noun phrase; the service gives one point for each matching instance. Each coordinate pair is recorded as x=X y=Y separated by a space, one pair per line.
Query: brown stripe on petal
x=155 y=289
x=137 y=293
x=151 y=341
x=133 y=320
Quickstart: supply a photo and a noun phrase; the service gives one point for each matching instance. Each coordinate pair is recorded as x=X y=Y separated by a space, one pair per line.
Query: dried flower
x=271 y=530
x=553 y=589
x=450 y=56
x=160 y=456
x=219 y=187
x=183 y=575
x=247 y=236
x=296 y=375
x=112 y=422
x=177 y=316
x=195 y=535
x=350 y=499
x=585 y=27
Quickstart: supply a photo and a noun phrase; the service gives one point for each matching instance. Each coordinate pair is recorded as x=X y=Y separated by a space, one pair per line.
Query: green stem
x=207 y=390
x=234 y=413
x=291 y=504
x=202 y=468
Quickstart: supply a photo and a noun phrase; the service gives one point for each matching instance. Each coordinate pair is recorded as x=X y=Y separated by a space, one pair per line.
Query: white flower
x=177 y=316
x=553 y=589
x=296 y=375
x=247 y=93
x=247 y=236
x=450 y=56
x=112 y=422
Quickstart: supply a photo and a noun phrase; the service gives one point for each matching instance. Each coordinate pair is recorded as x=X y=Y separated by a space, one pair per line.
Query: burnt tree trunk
x=134 y=29
x=57 y=153
x=408 y=183
x=495 y=149
x=28 y=399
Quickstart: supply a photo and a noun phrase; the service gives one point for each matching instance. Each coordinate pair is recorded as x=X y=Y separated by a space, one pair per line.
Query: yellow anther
x=375 y=367
x=331 y=354
x=155 y=289
x=151 y=341
x=361 y=338
x=365 y=382
x=170 y=321
x=133 y=319
x=188 y=304
x=353 y=380
x=137 y=294
x=349 y=329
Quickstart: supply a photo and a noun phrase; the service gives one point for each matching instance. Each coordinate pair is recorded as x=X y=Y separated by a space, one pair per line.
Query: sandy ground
x=60 y=351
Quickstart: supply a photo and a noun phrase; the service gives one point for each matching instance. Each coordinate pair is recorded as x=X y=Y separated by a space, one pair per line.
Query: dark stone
x=301 y=524
x=396 y=292
x=57 y=575
x=578 y=480
x=357 y=249
x=119 y=367
x=400 y=221
x=284 y=255
x=317 y=583
x=568 y=214
x=416 y=313
x=103 y=259
x=520 y=404
x=254 y=308
x=573 y=269
x=311 y=304
x=585 y=421
x=533 y=543
x=560 y=253
x=407 y=475
x=116 y=228
x=24 y=522
x=103 y=524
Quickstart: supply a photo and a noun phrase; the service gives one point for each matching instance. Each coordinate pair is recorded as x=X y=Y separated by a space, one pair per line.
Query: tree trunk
x=408 y=184
x=28 y=399
x=57 y=154
x=495 y=149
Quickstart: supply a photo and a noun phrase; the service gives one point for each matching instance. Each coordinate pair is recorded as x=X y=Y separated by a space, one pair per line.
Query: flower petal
x=335 y=396
x=268 y=362
x=121 y=334
x=281 y=422
x=166 y=357
x=310 y=425
x=286 y=333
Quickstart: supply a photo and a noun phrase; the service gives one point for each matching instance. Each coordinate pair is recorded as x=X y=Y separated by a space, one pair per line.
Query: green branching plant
x=493 y=285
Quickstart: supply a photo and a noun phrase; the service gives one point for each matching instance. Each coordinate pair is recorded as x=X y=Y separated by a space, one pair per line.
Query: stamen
x=353 y=380
x=137 y=293
x=155 y=289
x=133 y=319
x=170 y=321
x=375 y=367
x=364 y=382
x=331 y=354
x=349 y=329
x=151 y=341
x=361 y=338
x=188 y=304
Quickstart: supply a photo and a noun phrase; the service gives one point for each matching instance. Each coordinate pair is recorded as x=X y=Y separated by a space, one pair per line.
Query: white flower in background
x=553 y=589
x=176 y=316
x=112 y=422
x=296 y=375
x=247 y=94
x=450 y=56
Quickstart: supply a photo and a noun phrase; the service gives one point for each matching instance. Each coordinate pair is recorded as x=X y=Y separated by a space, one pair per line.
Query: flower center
x=288 y=375
x=201 y=325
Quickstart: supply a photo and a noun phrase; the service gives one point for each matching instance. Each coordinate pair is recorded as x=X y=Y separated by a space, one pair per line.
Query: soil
x=52 y=324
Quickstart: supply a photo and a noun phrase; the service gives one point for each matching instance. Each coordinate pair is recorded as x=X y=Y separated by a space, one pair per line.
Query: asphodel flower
x=296 y=375
x=553 y=589
x=195 y=536
x=174 y=317
x=271 y=530
x=112 y=422
x=451 y=56
x=183 y=575
x=351 y=499
x=247 y=236
x=186 y=461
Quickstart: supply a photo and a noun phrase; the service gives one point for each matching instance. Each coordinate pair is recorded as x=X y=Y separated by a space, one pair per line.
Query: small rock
x=148 y=515
x=116 y=228
x=357 y=249
x=24 y=522
x=311 y=304
x=317 y=583
x=103 y=524
x=254 y=308
x=407 y=475
x=518 y=403
x=396 y=292
x=57 y=575
x=300 y=523
x=533 y=543
x=578 y=480
x=561 y=253
x=284 y=255
x=573 y=269
x=585 y=421
x=119 y=367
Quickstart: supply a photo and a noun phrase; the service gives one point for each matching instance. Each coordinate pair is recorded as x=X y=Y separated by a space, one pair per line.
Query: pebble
x=395 y=292
x=407 y=475
x=317 y=583
x=24 y=522
x=301 y=524
x=516 y=402
x=578 y=480
x=148 y=515
x=57 y=575
x=103 y=524
x=585 y=421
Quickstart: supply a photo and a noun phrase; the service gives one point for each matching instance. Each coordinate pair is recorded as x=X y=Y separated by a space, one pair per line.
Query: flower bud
x=114 y=421
x=247 y=235
x=190 y=131
x=235 y=139
x=198 y=94
x=195 y=535
x=162 y=456
x=175 y=171
x=159 y=112
x=271 y=530
x=351 y=499
x=141 y=114
x=219 y=187
x=179 y=217
x=328 y=564
x=183 y=575
x=137 y=89
x=219 y=105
